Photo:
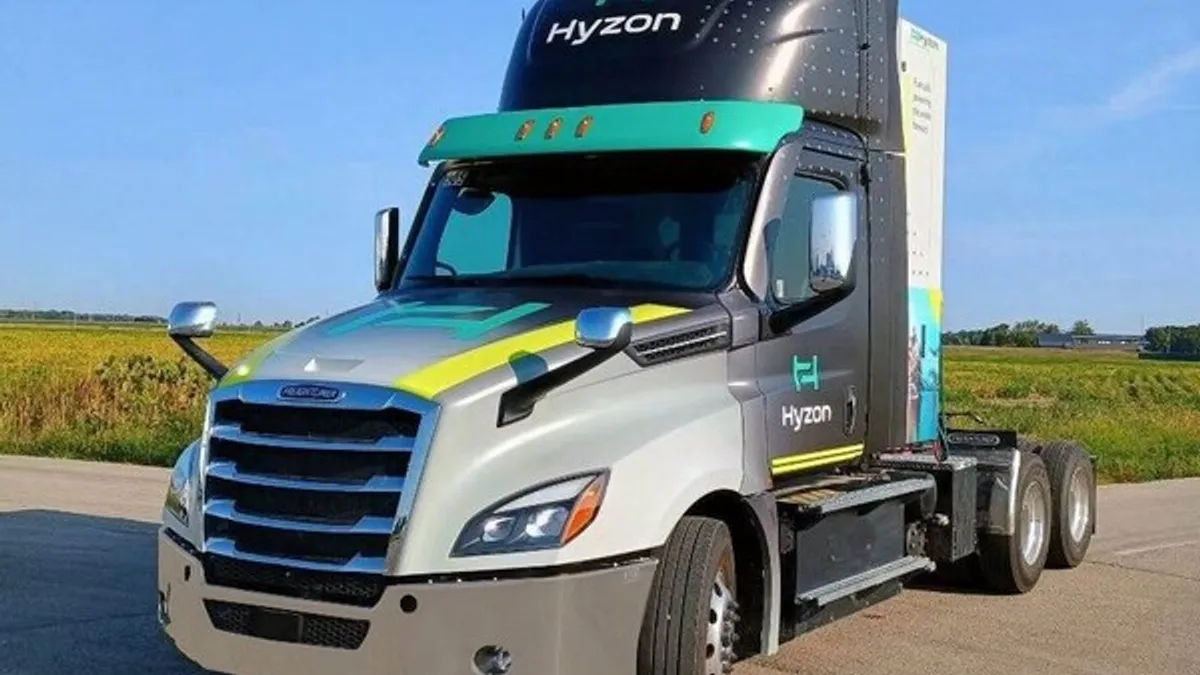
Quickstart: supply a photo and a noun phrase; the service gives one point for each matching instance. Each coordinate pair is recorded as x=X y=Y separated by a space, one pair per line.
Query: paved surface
x=77 y=584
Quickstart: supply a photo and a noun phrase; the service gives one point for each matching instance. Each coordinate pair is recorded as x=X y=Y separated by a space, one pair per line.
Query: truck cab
x=650 y=382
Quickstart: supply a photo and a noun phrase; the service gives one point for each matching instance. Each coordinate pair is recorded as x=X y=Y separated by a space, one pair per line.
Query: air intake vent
x=306 y=629
x=682 y=344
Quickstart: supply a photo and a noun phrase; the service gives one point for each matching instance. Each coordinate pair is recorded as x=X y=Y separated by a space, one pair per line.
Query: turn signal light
x=525 y=129
x=582 y=128
x=587 y=505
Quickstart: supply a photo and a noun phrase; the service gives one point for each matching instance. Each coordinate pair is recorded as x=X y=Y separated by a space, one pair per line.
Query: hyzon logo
x=919 y=38
x=798 y=418
x=579 y=31
x=806 y=373
x=467 y=322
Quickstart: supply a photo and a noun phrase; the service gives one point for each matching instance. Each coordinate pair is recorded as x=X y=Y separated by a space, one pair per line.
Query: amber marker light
x=587 y=505
x=437 y=136
x=707 y=122
x=584 y=125
x=525 y=129
x=552 y=130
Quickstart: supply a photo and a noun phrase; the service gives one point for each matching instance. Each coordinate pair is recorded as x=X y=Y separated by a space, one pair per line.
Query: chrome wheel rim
x=721 y=624
x=1033 y=524
x=1079 y=501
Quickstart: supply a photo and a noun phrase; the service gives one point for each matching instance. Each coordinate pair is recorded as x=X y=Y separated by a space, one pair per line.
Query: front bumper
x=582 y=624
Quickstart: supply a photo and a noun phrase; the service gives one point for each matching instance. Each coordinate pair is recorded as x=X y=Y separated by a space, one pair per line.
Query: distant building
x=1100 y=341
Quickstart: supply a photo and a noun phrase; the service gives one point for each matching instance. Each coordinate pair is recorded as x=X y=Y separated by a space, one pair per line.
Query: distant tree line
x=62 y=315
x=1169 y=340
x=67 y=316
x=1174 y=339
x=1020 y=334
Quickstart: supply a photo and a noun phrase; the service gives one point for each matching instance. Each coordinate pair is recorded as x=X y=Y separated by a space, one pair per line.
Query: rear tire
x=1073 y=483
x=691 y=616
x=1014 y=563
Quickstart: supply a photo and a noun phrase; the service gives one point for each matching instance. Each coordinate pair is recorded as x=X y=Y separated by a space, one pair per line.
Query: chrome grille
x=314 y=485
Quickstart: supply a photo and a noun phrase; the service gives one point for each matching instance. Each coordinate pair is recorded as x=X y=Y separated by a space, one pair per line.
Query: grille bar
x=233 y=434
x=227 y=510
x=311 y=485
x=359 y=563
x=229 y=471
x=359 y=590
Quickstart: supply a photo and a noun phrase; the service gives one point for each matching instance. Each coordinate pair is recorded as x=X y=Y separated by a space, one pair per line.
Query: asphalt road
x=77 y=584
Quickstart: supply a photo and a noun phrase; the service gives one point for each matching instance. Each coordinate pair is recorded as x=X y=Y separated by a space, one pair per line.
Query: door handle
x=851 y=411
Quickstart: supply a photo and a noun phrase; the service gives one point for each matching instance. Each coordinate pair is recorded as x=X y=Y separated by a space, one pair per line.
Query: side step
x=850 y=540
x=842 y=588
x=826 y=500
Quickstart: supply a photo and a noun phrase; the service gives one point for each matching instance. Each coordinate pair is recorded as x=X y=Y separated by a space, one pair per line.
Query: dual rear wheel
x=1055 y=518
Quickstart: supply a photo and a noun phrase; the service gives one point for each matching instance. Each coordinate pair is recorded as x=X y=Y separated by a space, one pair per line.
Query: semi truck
x=651 y=382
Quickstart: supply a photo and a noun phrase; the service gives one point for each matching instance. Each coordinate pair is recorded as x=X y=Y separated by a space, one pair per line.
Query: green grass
x=1142 y=418
x=127 y=394
x=112 y=393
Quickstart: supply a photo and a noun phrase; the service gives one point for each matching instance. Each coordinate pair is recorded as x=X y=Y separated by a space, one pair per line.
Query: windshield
x=647 y=220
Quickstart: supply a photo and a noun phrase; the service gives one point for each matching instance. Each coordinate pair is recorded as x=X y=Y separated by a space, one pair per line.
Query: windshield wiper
x=565 y=279
x=525 y=280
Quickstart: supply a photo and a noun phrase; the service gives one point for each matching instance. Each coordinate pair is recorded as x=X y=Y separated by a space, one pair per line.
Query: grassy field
x=126 y=394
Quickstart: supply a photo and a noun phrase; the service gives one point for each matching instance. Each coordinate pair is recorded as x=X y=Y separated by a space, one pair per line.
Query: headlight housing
x=179 y=491
x=545 y=517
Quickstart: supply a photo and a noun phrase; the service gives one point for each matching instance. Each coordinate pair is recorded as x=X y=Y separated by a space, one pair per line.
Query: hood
x=427 y=341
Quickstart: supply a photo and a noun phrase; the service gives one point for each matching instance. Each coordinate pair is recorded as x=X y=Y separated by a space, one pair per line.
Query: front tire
x=691 y=616
x=1014 y=563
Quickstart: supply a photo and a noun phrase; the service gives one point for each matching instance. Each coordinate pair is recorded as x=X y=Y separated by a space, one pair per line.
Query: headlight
x=179 y=490
x=545 y=517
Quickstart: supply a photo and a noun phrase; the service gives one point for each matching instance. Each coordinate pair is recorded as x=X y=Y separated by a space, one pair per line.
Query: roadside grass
x=127 y=394
x=117 y=394
x=1142 y=418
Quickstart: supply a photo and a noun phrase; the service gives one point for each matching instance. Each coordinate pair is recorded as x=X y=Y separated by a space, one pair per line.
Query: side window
x=788 y=242
x=476 y=236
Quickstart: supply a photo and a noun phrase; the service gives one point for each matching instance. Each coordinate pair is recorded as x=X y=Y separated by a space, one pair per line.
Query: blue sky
x=236 y=150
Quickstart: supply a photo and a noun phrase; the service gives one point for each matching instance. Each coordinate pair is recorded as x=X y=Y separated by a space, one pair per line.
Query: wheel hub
x=721 y=632
x=1079 y=504
x=1033 y=525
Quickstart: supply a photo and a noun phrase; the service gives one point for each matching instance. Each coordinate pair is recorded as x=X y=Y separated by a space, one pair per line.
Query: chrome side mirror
x=604 y=328
x=832 y=240
x=192 y=320
x=387 y=247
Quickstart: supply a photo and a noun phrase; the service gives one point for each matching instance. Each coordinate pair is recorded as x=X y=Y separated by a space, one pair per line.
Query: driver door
x=812 y=370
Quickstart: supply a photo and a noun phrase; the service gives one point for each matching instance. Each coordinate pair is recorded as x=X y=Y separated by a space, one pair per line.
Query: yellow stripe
x=810 y=460
x=436 y=378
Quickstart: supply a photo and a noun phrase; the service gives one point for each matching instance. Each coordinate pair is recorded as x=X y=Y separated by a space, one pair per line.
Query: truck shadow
x=77 y=595
x=962 y=578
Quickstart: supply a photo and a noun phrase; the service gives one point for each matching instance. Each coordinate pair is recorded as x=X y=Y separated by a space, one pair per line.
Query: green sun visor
x=687 y=125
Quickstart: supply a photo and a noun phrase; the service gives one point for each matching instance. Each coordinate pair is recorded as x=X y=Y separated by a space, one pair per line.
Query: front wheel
x=691 y=617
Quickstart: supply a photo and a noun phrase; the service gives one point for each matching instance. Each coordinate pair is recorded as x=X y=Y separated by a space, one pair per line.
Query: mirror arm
x=207 y=361
x=517 y=403
x=783 y=319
